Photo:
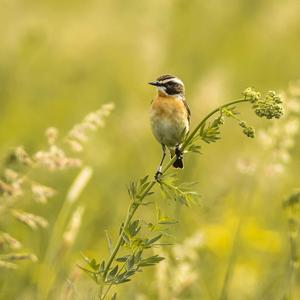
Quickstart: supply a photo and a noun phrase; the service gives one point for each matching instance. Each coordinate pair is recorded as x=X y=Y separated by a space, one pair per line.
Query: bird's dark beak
x=155 y=83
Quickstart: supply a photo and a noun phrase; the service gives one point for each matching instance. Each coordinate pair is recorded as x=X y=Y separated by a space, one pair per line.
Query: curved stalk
x=194 y=132
x=134 y=206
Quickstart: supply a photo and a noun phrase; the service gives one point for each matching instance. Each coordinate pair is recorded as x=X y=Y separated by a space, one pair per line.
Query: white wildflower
x=284 y=156
x=8 y=265
x=51 y=135
x=265 y=138
x=31 y=220
x=293 y=105
x=56 y=159
x=291 y=127
x=246 y=166
x=22 y=156
x=5 y=188
x=274 y=169
x=74 y=145
x=8 y=240
x=80 y=132
x=17 y=188
x=188 y=249
x=183 y=272
x=41 y=192
x=184 y=277
x=10 y=175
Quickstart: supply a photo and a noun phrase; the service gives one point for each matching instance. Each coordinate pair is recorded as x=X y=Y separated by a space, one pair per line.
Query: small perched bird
x=169 y=117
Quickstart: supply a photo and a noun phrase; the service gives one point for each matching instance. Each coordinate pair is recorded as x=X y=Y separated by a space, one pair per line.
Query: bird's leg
x=159 y=169
x=178 y=152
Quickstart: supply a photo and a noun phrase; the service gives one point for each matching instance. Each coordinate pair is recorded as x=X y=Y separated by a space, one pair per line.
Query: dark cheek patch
x=171 y=91
x=174 y=89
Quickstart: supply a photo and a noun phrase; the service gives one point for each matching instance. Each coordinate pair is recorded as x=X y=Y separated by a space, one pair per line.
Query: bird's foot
x=178 y=152
x=158 y=174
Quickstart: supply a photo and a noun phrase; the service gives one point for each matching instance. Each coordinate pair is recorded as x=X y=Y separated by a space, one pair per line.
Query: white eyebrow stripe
x=177 y=80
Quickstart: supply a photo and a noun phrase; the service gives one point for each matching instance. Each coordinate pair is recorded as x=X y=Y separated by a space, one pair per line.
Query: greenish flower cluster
x=269 y=107
x=249 y=131
x=251 y=95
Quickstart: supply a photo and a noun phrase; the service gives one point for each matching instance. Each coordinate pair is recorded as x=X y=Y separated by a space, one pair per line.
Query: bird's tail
x=178 y=163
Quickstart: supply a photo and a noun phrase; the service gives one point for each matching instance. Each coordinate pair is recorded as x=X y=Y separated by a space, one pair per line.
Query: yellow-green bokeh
x=59 y=60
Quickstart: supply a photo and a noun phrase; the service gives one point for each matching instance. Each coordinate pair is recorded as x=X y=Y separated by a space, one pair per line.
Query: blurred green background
x=59 y=60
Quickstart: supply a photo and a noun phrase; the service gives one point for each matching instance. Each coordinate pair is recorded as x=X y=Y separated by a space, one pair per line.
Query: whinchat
x=169 y=117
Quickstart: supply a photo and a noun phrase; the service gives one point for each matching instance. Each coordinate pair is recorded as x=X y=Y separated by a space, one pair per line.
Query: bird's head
x=169 y=85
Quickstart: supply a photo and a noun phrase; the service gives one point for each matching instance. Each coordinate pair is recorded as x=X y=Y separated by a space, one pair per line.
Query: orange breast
x=169 y=107
x=169 y=120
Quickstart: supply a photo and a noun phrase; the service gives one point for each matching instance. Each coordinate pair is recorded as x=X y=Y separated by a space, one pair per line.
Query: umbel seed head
x=269 y=107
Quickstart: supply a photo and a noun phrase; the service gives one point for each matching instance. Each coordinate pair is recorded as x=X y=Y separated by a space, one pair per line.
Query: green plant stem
x=131 y=211
x=102 y=297
x=194 y=132
x=111 y=284
x=134 y=206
